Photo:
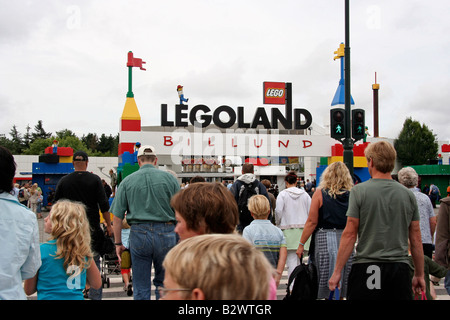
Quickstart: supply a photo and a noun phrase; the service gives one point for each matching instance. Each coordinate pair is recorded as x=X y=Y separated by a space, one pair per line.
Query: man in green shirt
x=144 y=196
x=382 y=216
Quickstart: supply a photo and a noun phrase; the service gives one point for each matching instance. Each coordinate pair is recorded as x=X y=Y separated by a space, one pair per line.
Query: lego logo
x=274 y=93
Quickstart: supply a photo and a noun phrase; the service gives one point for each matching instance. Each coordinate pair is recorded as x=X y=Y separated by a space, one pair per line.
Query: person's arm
x=103 y=204
x=415 y=240
x=442 y=232
x=432 y=225
x=107 y=217
x=311 y=223
x=279 y=209
x=281 y=264
x=93 y=277
x=117 y=226
x=30 y=285
x=348 y=240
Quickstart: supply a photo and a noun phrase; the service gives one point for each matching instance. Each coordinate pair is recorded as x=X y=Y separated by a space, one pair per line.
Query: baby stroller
x=109 y=261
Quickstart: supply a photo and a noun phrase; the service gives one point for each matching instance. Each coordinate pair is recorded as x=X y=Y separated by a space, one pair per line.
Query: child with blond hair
x=67 y=260
x=265 y=236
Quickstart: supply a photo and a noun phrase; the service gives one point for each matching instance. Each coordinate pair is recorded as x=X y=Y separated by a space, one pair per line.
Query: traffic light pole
x=348 y=142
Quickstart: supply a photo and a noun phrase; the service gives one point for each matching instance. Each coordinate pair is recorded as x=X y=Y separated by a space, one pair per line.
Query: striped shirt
x=265 y=237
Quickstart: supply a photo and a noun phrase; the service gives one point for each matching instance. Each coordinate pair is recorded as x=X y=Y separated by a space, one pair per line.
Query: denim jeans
x=447 y=282
x=96 y=294
x=149 y=244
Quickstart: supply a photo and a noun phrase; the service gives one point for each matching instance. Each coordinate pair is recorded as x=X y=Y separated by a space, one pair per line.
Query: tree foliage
x=34 y=143
x=416 y=144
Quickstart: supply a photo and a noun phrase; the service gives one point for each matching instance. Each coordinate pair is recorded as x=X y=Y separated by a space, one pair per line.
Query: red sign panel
x=274 y=92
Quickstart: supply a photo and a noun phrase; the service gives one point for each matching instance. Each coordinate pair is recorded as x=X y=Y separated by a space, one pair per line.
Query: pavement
x=113 y=286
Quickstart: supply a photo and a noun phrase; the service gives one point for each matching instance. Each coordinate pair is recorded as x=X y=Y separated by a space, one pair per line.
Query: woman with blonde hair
x=326 y=221
x=216 y=267
x=67 y=260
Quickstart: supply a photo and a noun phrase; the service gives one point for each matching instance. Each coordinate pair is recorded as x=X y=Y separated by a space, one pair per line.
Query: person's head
x=216 y=267
x=266 y=183
x=408 y=177
x=7 y=170
x=67 y=223
x=204 y=207
x=382 y=154
x=146 y=154
x=259 y=207
x=291 y=178
x=80 y=160
x=336 y=179
x=196 y=179
x=248 y=168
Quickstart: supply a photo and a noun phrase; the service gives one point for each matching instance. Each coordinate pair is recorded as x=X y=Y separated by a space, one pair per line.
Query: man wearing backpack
x=243 y=189
x=434 y=194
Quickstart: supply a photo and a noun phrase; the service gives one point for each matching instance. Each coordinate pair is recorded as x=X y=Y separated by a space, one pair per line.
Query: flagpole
x=130 y=92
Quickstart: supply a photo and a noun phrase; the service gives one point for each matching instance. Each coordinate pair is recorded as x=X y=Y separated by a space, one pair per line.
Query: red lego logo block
x=445 y=148
x=358 y=150
x=274 y=93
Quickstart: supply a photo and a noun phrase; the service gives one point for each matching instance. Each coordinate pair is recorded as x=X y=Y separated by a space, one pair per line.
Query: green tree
x=27 y=137
x=106 y=145
x=38 y=146
x=64 y=134
x=6 y=143
x=416 y=144
x=74 y=142
x=39 y=132
x=16 y=140
x=91 y=141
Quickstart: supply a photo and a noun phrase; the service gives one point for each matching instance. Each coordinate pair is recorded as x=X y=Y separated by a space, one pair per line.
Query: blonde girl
x=67 y=261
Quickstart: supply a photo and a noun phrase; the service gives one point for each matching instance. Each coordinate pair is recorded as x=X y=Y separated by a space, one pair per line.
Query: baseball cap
x=80 y=156
x=146 y=151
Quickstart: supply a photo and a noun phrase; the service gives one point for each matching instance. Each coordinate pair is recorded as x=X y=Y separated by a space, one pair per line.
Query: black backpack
x=306 y=283
x=249 y=190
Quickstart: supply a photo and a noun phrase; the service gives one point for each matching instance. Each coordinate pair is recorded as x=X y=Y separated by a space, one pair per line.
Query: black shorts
x=380 y=281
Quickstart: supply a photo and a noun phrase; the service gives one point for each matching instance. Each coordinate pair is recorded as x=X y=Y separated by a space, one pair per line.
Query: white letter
x=373 y=282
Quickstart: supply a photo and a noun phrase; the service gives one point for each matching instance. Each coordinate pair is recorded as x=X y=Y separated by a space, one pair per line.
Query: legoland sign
x=212 y=142
x=274 y=93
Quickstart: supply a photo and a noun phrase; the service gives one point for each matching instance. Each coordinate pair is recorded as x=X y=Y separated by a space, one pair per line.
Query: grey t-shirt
x=385 y=209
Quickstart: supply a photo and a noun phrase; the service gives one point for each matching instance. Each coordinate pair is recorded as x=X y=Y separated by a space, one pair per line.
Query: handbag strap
x=422 y=296
x=334 y=295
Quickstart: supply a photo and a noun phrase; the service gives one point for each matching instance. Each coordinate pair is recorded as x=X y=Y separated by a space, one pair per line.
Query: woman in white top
x=291 y=213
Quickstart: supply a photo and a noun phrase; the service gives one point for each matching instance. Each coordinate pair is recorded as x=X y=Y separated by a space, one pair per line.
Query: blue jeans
x=149 y=243
x=96 y=294
x=447 y=282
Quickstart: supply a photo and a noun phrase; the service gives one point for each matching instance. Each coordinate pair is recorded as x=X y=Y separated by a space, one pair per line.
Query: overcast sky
x=64 y=62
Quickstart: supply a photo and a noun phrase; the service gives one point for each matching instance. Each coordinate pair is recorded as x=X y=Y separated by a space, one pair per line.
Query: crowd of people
x=226 y=241
x=30 y=195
